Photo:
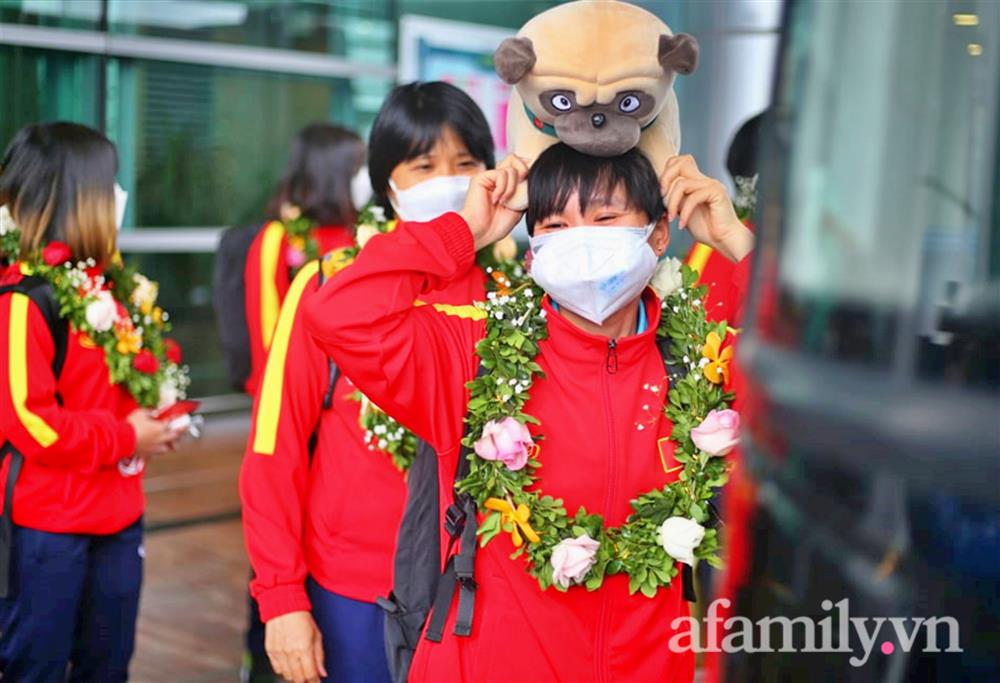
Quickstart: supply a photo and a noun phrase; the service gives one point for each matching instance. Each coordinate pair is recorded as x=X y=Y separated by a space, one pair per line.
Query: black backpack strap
x=40 y=292
x=7 y=521
x=460 y=571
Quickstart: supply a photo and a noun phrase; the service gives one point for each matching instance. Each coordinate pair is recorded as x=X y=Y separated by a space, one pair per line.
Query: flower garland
x=666 y=525
x=116 y=310
x=302 y=244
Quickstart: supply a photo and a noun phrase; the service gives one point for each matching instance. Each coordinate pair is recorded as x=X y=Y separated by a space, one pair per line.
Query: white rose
x=679 y=536
x=6 y=221
x=364 y=233
x=145 y=291
x=667 y=279
x=378 y=213
x=102 y=312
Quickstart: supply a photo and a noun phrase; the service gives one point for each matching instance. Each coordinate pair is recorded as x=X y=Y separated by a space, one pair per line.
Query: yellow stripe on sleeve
x=269 y=406
x=17 y=363
x=270 y=254
x=699 y=257
x=466 y=312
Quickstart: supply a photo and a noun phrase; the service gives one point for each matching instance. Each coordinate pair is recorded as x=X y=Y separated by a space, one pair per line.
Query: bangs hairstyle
x=57 y=180
x=560 y=171
x=410 y=123
x=317 y=177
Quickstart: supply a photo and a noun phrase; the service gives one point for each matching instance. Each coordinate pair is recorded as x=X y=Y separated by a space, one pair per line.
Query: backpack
x=420 y=587
x=40 y=292
x=229 y=301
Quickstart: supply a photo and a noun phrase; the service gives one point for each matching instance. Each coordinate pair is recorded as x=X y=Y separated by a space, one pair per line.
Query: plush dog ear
x=514 y=59
x=678 y=53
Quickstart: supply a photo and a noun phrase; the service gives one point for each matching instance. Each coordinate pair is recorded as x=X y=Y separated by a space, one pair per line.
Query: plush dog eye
x=561 y=102
x=629 y=104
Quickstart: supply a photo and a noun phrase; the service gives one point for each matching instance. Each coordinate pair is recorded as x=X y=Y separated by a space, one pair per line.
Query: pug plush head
x=595 y=74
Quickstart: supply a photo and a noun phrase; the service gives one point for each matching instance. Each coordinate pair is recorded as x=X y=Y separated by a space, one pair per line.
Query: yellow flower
x=158 y=315
x=514 y=520
x=391 y=225
x=335 y=261
x=129 y=341
x=297 y=242
x=717 y=369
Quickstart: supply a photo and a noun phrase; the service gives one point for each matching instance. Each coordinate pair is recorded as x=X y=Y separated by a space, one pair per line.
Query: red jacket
x=266 y=281
x=69 y=482
x=603 y=435
x=336 y=519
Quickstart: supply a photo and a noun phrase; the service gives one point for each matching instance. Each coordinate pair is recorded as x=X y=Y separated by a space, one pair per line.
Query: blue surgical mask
x=593 y=270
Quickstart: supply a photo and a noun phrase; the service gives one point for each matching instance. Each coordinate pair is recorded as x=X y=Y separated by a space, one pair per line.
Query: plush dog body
x=597 y=75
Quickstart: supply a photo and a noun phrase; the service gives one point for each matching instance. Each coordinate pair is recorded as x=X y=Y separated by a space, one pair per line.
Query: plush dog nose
x=598 y=120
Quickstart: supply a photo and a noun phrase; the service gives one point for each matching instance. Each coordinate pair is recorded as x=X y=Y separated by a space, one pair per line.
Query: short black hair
x=410 y=123
x=317 y=176
x=561 y=170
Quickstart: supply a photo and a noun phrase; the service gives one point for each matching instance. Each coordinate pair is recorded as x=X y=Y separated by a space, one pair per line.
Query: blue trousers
x=352 y=637
x=74 y=602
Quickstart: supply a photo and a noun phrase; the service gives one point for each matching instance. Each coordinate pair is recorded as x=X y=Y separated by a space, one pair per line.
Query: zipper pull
x=612 y=361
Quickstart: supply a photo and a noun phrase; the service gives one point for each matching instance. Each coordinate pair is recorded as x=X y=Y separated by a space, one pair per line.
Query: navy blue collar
x=641 y=323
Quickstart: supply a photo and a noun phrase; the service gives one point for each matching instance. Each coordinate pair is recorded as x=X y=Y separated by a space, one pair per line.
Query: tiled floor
x=193 y=602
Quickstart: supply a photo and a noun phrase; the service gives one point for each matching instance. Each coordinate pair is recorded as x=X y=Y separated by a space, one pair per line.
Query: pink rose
x=507 y=441
x=572 y=558
x=718 y=433
x=295 y=258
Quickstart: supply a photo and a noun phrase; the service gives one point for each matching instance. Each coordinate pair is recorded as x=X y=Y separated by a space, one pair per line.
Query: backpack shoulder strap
x=39 y=290
x=460 y=571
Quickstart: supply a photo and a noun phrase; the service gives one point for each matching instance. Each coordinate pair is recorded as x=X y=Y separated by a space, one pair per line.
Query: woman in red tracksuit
x=76 y=545
x=316 y=186
x=415 y=362
x=320 y=528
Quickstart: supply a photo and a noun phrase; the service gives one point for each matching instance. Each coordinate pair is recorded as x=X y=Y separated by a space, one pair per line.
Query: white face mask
x=121 y=201
x=430 y=198
x=593 y=270
x=361 y=188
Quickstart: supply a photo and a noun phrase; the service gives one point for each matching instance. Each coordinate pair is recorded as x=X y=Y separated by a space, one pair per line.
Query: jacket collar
x=568 y=341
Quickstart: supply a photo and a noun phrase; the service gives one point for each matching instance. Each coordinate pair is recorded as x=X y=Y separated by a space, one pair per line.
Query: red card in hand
x=176 y=410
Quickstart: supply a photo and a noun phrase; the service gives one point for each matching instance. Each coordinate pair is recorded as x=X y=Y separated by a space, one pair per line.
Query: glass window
x=203 y=146
x=887 y=198
x=41 y=85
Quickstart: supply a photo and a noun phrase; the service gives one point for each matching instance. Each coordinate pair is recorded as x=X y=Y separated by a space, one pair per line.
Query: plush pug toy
x=597 y=75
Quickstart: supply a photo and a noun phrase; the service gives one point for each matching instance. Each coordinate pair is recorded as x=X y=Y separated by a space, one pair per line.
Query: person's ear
x=659 y=239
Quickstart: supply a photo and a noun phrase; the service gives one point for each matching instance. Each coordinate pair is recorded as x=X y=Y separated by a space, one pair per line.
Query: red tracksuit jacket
x=69 y=482
x=266 y=281
x=605 y=442
x=336 y=518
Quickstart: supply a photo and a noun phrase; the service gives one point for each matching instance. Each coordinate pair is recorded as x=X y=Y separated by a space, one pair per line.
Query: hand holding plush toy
x=597 y=75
